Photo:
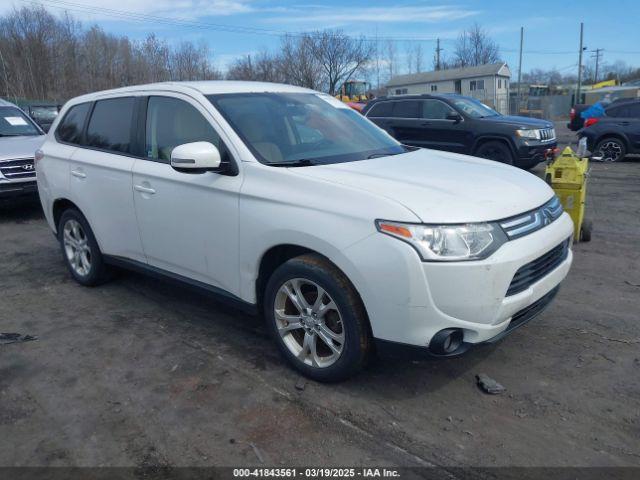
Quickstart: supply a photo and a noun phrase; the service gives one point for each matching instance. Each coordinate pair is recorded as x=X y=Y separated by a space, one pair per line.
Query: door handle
x=142 y=189
x=425 y=124
x=78 y=174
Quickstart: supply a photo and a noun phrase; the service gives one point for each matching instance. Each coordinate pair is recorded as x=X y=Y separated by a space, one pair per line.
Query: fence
x=552 y=107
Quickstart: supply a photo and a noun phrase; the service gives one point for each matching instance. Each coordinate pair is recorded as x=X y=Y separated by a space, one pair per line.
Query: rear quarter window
x=110 y=125
x=70 y=128
x=382 y=109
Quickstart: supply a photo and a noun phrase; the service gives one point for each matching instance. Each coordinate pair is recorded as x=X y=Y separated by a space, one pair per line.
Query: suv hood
x=519 y=122
x=19 y=147
x=441 y=187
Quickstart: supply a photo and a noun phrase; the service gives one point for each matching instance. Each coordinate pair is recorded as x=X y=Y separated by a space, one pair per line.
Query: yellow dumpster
x=567 y=175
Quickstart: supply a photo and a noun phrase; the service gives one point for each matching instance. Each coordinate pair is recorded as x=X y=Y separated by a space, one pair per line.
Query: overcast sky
x=239 y=27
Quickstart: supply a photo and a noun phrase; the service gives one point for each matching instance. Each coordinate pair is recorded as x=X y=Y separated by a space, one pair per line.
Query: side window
x=172 y=122
x=435 y=109
x=382 y=109
x=407 y=109
x=617 y=112
x=110 y=125
x=70 y=128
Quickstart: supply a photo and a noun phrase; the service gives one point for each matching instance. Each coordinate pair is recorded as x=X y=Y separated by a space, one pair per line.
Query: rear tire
x=495 y=150
x=80 y=249
x=585 y=230
x=611 y=149
x=317 y=319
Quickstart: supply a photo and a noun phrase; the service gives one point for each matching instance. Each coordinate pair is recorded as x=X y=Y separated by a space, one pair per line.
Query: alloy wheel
x=309 y=323
x=610 y=151
x=76 y=247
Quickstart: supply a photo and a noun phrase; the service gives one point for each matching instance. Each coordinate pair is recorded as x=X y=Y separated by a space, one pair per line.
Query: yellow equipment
x=567 y=175
x=353 y=91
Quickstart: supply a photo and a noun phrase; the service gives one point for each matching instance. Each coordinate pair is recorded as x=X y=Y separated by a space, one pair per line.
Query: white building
x=487 y=83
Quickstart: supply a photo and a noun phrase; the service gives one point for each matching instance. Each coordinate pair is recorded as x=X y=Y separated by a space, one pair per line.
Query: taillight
x=591 y=121
x=572 y=113
x=39 y=155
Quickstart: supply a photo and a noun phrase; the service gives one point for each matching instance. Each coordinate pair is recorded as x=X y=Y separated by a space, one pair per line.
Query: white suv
x=287 y=201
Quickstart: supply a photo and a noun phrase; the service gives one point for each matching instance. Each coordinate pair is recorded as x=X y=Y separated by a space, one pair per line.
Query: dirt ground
x=143 y=373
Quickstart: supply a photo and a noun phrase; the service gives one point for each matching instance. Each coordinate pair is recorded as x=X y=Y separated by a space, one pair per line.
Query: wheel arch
x=58 y=207
x=617 y=135
x=278 y=255
x=481 y=140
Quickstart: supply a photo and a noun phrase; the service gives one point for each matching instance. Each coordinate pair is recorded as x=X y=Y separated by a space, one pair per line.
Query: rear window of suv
x=110 y=125
x=70 y=128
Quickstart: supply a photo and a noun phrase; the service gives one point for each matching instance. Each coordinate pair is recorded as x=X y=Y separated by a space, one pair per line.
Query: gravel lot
x=144 y=373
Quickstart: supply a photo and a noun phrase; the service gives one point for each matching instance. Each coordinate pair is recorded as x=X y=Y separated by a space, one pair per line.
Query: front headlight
x=472 y=241
x=533 y=134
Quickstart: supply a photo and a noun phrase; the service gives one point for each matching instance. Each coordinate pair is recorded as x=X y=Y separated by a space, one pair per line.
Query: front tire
x=611 y=149
x=317 y=319
x=495 y=150
x=80 y=249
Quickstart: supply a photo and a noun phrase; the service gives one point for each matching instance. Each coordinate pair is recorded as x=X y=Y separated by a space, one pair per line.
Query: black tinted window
x=172 y=122
x=435 y=109
x=70 y=129
x=382 y=109
x=110 y=124
x=407 y=109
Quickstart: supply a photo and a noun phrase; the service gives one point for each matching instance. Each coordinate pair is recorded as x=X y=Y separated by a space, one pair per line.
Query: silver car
x=20 y=137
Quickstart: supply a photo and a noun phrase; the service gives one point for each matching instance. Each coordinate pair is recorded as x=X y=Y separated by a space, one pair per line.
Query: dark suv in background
x=463 y=125
x=615 y=134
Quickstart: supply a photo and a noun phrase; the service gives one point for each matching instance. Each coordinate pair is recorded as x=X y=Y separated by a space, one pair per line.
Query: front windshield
x=474 y=108
x=356 y=88
x=288 y=128
x=14 y=123
x=44 y=114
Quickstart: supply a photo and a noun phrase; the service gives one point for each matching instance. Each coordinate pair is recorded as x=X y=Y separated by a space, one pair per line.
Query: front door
x=441 y=133
x=188 y=221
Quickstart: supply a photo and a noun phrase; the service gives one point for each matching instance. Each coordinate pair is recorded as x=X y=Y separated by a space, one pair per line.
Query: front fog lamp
x=473 y=241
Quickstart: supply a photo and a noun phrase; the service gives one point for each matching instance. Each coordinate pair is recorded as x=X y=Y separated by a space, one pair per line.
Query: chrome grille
x=535 y=270
x=547 y=134
x=19 y=168
x=529 y=222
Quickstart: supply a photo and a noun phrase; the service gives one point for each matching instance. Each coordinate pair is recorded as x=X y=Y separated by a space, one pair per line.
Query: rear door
x=100 y=177
x=629 y=122
x=188 y=221
x=406 y=123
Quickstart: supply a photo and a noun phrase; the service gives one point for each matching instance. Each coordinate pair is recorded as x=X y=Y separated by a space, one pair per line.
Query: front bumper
x=395 y=349
x=408 y=301
x=530 y=153
x=11 y=190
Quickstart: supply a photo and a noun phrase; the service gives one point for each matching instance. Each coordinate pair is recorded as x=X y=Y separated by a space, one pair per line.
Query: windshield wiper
x=303 y=162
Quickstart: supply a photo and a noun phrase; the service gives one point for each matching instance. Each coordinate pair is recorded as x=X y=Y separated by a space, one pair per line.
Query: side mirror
x=196 y=157
x=453 y=116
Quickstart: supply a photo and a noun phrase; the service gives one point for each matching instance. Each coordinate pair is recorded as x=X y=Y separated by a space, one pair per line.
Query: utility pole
x=597 y=53
x=519 y=71
x=577 y=100
x=438 y=49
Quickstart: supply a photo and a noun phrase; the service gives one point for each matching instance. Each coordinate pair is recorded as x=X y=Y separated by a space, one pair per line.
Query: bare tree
x=419 y=57
x=340 y=56
x=392 y=66
x=298 y=62
x=47 y=57
x=475 y=47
